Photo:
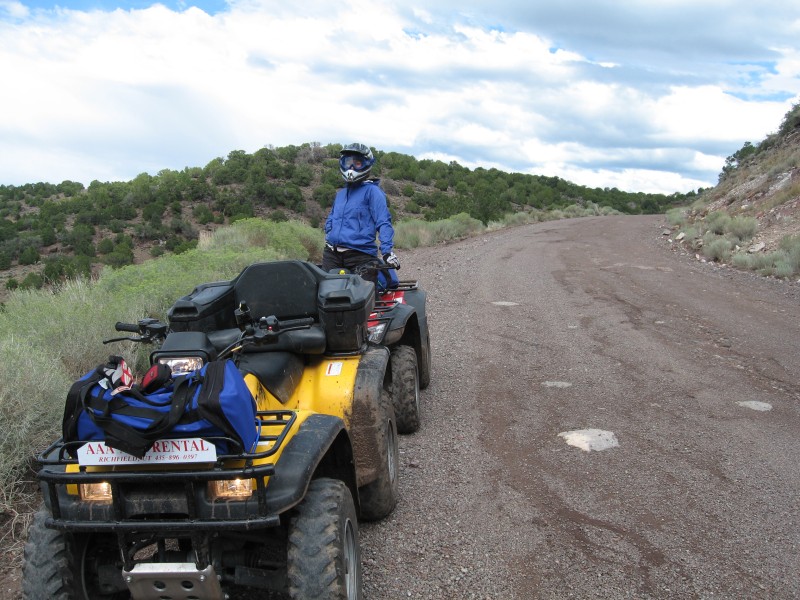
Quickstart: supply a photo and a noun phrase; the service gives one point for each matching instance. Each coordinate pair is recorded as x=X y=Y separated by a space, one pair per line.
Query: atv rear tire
x=379 y=497
x=324 y=556
x=61 y=567
x=405 y=388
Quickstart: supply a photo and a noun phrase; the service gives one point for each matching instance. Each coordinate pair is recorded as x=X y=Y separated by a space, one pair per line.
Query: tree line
x=67 y=229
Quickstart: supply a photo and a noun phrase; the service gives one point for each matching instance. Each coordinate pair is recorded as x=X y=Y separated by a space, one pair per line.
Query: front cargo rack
x=277 y=421
x=174 y=498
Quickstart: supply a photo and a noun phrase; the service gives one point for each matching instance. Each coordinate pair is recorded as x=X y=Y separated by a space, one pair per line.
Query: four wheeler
x=400 y=323
x=281 y=517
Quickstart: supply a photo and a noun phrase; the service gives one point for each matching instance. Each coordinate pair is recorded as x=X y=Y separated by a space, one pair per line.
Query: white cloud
x=111 y=94
x=707 y=112
x=14 y=10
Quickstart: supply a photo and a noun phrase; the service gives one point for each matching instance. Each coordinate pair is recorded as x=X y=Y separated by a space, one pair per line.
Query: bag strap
x=208 y=401
x=74 y=404
x=137 y=442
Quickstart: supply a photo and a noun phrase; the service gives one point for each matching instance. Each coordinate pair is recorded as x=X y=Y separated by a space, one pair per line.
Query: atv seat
x=286 y=289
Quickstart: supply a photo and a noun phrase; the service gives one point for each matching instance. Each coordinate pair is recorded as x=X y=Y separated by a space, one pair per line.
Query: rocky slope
x=765 y=187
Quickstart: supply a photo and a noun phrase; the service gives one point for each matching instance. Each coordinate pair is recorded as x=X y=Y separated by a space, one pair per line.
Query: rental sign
x=190 y=450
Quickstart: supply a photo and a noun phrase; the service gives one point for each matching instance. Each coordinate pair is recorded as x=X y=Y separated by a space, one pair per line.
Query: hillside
x=751 y=219
x=49 y=232
x=768 y=189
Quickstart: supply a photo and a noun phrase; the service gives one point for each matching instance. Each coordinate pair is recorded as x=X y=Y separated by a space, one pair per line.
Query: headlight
x=376 y=332
x=231 y=489
x=96 y=492
x=182 y=364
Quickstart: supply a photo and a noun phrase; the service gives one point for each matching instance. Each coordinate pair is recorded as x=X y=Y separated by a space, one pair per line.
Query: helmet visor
x=356 y=162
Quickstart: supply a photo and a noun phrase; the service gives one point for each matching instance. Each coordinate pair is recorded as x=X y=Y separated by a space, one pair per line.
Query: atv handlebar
x=120 y=326
x=373 y=266
x=149 y=330
x=266 y=330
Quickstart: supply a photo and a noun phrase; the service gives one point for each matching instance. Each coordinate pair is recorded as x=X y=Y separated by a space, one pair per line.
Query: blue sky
x=642 y=95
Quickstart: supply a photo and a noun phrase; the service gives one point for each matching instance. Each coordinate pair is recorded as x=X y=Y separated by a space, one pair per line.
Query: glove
x=391 y=260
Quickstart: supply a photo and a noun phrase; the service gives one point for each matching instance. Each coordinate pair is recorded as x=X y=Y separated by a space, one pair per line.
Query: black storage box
x=345 y=303
x=209 y=307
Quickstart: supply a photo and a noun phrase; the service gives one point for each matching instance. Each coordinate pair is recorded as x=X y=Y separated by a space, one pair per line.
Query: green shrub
x=324 y=195
x=784 y=262
x=717 y=222
x=413 y=233
x=790 y=244
x=717 y=248
x=202 y=214
x=742 y=228
x=32 y=281
x=291 y=239
x=742 y=260
x=784 y=267
x=105 y=246
x=29 y=256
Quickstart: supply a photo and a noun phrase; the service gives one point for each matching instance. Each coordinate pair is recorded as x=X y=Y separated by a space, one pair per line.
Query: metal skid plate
x=176 y=581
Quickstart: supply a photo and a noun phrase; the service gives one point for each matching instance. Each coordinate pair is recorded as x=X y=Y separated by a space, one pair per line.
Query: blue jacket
x=358 y=213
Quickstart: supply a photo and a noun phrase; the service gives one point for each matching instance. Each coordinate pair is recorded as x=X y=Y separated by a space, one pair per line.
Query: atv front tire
x=379 y=497
x=405 y=388
x=425 y=367
x=324 y=556
x=61 y=567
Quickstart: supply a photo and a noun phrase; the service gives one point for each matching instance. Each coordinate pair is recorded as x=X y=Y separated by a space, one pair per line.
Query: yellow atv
x=204 y=517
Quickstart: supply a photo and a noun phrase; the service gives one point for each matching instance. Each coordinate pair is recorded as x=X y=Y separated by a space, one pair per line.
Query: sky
x=640 y=95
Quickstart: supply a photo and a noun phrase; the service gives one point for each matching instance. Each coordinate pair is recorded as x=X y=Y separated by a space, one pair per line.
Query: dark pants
x=350 y=260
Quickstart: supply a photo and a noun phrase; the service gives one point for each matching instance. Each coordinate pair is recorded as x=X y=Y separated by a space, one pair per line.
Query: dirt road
x=592 y=324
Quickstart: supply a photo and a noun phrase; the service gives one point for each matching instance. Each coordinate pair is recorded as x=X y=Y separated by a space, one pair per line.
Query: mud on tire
x=379 y=497
x=405 y=388
x=324 y=557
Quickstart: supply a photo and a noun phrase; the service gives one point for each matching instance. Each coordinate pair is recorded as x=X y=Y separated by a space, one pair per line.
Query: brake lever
x=127 y=339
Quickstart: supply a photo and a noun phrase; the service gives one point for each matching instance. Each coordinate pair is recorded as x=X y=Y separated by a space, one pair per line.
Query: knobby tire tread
x=405 y=388
x=315 y=560
x=379 y=497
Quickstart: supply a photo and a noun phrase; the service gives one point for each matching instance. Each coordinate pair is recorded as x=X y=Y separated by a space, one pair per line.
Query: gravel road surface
x=680 y=383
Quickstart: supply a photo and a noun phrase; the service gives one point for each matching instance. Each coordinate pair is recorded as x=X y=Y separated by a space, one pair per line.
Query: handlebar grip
x=303 y=322
x=132 y=327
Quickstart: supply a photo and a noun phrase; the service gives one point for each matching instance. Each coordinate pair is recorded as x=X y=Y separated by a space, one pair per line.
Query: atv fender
x=418 y=299
x=401 y=315
x=409 y=322
x=320 y=448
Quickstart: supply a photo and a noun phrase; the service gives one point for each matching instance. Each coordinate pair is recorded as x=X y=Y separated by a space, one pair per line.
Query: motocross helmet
x=355 y=162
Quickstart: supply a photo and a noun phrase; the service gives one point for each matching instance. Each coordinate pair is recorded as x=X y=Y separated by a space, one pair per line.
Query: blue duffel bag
x=211 y=402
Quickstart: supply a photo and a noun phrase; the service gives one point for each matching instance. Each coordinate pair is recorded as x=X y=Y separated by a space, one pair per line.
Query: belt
x=337 y=248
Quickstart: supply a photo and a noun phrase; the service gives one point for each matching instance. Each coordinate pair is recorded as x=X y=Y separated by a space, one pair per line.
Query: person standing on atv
x=359 y=214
